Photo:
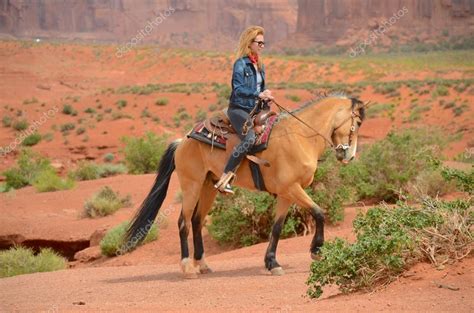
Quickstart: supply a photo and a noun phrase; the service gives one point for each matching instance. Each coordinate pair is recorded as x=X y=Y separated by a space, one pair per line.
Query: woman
x=248 y=85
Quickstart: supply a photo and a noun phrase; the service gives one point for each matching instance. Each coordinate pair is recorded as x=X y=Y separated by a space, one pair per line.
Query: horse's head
x=346 y=128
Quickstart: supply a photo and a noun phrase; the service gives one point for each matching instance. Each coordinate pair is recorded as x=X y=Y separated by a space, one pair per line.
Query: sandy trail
x=238 y=284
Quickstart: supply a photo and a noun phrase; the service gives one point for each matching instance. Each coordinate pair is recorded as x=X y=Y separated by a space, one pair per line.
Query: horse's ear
x=362 y=106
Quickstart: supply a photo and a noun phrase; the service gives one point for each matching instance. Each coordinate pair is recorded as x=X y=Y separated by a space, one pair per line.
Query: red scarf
x=253 y=58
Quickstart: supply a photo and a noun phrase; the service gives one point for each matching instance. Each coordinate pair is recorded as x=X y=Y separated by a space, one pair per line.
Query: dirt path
x=238 y=284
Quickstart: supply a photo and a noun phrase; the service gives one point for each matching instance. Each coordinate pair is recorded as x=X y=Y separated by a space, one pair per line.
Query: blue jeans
x=237 y=117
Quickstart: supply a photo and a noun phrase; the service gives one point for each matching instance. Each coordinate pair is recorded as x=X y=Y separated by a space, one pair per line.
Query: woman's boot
x=223 y=185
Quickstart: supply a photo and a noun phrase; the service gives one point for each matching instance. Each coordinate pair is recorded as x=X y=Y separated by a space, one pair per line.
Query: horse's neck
x=321 y=118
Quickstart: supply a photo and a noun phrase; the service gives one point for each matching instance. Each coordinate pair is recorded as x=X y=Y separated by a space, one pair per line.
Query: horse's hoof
x=190 y=275
x=205 y=270
x=316 y=256
x=277 y=271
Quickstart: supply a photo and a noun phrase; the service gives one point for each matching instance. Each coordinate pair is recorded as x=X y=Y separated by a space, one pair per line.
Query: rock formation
x=216 y=24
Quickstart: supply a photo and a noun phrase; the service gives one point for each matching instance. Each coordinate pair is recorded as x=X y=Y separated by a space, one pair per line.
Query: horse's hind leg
x=191 y=190
x=206 y=199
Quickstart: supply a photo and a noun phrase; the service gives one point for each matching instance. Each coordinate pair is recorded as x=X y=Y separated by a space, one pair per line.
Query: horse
x=297 y=141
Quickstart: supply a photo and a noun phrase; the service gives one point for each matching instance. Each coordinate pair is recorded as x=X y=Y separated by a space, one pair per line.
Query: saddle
x=220 y=125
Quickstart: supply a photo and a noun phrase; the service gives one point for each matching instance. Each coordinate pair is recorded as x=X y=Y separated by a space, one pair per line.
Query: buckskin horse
x=297 y=141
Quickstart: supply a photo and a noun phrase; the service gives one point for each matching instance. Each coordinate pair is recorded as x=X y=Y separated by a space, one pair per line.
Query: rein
x=339 y=146
x=304 y=123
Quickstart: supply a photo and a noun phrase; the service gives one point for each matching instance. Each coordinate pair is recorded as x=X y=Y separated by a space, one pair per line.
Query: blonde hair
x=246 y=39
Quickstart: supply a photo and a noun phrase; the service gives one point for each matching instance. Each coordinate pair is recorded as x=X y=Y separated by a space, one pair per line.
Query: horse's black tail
x=143 y=220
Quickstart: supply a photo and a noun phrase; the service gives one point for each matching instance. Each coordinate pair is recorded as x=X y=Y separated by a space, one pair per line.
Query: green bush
x=4 y=188
x=201 y=115
x=20 y=125
x=246 y=218
x=121 y=103
x=7 y=121
x=212 y=107
x=381 y=109
x=19 y=260
x=108 y=169
x=109 y=157
x=386 y=88
x=143 y=154
x=145 y=113
x=112 y=244
x=80 y=130
x=440 y=91
x=86 y=171
x=105 y=202
x=65 y=128
x=465 y=181
x=388 y=168
x=116 y=116
x=162 y=101
x=90 y=170
x=183 y=115
x=389 y=240
x=69 y=110
x=29 y=165
x=91 y=110
x=30 y=101
x=459 y=110
x=31 y=140
x=293 y=98
x=47 y=181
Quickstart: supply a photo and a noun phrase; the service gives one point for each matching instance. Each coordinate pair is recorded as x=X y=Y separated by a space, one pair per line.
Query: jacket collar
x=247 y=61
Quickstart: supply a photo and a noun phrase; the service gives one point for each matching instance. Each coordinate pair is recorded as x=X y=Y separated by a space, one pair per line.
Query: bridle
x=353 y=116
x=339 y=146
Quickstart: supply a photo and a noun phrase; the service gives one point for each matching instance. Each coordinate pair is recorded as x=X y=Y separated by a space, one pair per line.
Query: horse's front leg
x=301 y=198
x=318 y=237
x=270 y=256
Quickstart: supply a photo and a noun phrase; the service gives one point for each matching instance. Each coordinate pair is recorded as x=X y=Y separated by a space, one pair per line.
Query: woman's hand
x=266 y=95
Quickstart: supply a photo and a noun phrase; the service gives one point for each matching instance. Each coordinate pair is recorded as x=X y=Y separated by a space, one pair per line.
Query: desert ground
x=38 y=77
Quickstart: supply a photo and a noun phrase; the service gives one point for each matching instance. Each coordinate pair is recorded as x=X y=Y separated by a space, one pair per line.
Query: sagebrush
x=113 y=242
x=20 y=260
x=389 y=240
x=143 y=154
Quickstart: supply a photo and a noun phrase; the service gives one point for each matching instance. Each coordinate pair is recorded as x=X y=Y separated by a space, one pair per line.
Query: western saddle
x=220 y=125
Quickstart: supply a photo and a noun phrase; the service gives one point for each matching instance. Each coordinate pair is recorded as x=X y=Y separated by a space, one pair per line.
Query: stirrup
x=223 y=185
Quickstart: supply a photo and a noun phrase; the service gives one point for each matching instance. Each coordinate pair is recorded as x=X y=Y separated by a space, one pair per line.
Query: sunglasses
x=260 y=43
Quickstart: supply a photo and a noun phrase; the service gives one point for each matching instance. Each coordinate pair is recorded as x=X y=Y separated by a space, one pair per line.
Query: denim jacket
x=244 y=84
